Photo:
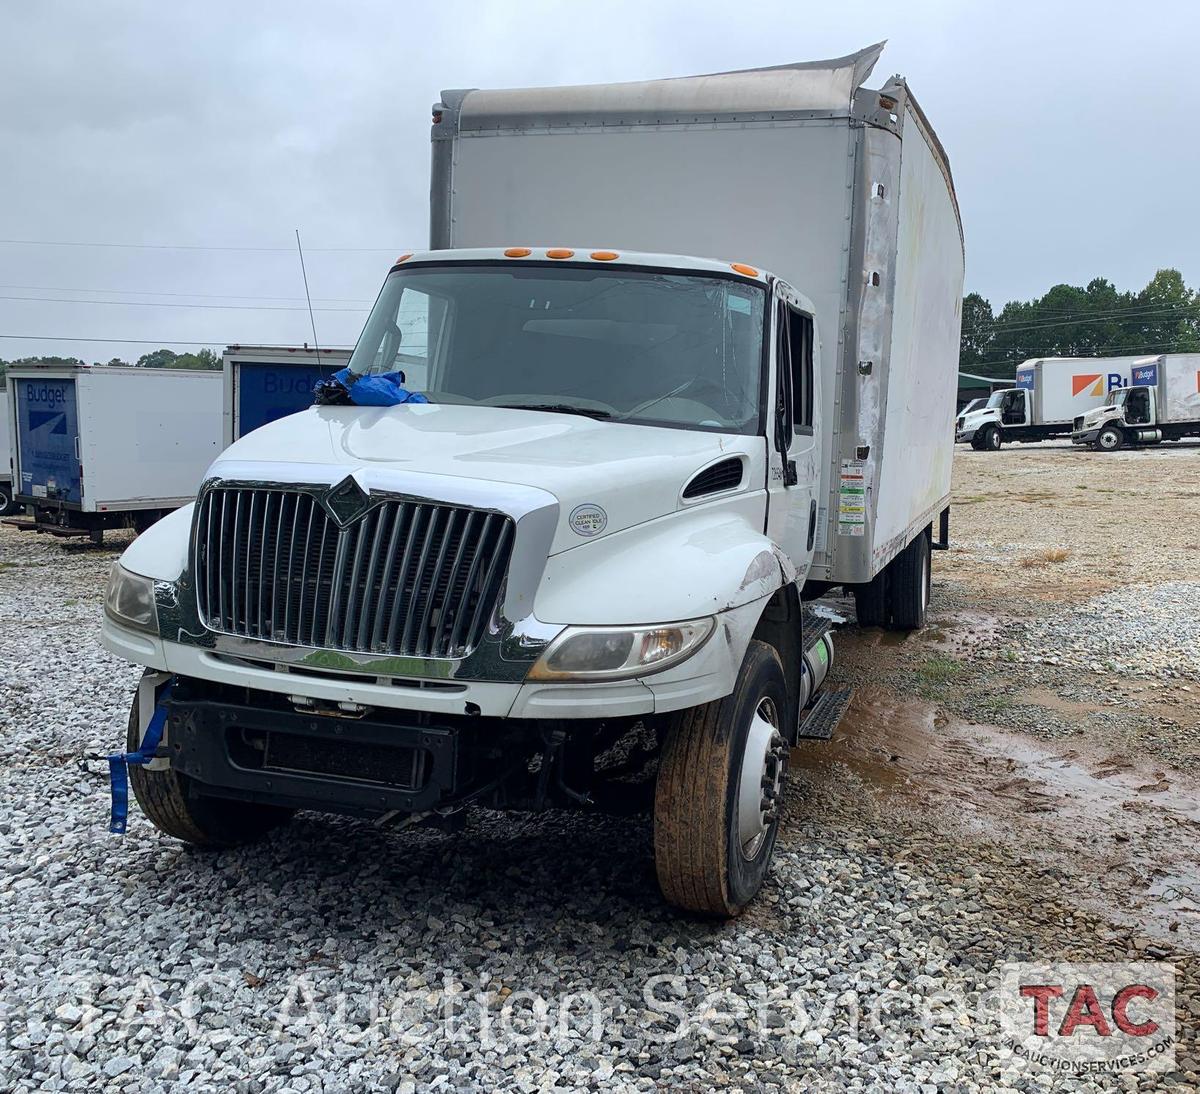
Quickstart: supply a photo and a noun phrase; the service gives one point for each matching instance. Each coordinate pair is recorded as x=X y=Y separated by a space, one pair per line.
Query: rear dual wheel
x=898 y=596
x=719 y=791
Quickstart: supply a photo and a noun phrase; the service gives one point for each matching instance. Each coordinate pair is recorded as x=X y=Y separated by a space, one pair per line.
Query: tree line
x=159 y=358
x=1068 y=321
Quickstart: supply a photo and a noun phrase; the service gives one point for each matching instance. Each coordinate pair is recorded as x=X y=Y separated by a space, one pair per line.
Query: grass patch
x=1046 y=556
x=939 y=669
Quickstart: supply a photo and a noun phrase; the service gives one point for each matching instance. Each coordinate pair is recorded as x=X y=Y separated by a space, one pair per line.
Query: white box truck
x=579 y=575
x=1162 y=403
x=98 y=447
x=263 y=383
x=1048 y=394
x=8 y=502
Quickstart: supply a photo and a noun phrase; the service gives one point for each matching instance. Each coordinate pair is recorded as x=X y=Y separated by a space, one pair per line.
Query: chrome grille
x=411 y=578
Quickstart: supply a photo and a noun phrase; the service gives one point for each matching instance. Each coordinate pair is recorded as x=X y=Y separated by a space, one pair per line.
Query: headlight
x=129 y=600
x=615 y=653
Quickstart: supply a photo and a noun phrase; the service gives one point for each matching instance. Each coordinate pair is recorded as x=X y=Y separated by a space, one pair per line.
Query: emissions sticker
x=588 y=520
x=852 y=499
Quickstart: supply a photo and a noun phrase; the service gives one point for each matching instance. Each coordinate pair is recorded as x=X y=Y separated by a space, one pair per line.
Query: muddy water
x=1123 y=832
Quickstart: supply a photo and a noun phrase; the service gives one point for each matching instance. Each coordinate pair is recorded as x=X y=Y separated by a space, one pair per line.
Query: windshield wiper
x=559 y=408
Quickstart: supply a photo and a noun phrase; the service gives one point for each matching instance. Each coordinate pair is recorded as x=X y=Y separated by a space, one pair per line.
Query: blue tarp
x=385 y=390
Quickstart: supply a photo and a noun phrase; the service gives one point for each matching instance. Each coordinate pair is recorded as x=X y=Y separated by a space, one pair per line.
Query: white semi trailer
x=578 y=576
x=1162 y=403
x=1048 y=395
x=109 y=447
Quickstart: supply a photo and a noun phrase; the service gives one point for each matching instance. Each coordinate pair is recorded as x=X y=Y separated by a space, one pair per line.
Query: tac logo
x=1096 y=383
x=1089 y=1017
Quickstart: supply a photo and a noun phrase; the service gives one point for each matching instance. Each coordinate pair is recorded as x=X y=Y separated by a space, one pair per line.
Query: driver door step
x=825 y=715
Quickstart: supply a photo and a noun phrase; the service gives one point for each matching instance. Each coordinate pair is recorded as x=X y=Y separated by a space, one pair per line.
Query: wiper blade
x=560 y=408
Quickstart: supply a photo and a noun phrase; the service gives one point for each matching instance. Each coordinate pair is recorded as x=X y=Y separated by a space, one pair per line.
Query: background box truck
x=1162 y=403
x=109 y=447
x=579 y=575
x=1048 y=395
x=263 y=383
x=7 y=502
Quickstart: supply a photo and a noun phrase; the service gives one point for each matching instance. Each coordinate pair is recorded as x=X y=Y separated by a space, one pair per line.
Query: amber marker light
x=742 y=268
x=517 y=252
x=559 y=252
x=605 y=256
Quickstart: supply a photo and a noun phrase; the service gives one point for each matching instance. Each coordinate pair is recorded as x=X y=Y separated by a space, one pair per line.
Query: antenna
x=311 y=319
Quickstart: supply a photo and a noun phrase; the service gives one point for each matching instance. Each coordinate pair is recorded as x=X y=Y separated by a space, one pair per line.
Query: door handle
x=812 y=523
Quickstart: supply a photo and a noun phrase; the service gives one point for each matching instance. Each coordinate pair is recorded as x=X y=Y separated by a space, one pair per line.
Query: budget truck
x=1162 y=403
x=263 y=383
x=7 y=503
x=582 y=573
x=109 y=447
x=1048 y=394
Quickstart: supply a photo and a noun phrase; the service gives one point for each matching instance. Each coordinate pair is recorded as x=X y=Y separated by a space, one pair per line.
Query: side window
x=800 y=340
x=784 y=401
x=411 y=343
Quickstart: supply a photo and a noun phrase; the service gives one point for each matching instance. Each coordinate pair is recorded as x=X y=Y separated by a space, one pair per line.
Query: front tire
x=165 y=798
x=991 y=439
x=1109 y=439
x=719 y=790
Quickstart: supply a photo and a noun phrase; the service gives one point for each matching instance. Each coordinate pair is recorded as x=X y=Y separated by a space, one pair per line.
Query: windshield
x=997 y=397
x=634 y=346
x=1119 y=398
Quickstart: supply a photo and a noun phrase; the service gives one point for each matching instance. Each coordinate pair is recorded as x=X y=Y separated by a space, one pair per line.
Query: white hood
x=633 y=473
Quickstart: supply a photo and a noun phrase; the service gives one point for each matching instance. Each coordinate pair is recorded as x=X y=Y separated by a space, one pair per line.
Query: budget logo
x=1147 y=375
x=1089 y=1018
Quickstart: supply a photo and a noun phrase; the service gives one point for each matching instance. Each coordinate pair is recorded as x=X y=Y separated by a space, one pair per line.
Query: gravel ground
x=522 y=952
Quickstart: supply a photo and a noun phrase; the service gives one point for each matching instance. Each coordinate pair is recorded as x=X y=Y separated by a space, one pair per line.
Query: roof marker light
x=742 y=268
x=402 y=258
x=605 y=256
x=559 y=252
x=516 y=252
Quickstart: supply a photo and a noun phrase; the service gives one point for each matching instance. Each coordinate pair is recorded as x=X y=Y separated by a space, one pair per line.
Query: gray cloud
x=221 y=124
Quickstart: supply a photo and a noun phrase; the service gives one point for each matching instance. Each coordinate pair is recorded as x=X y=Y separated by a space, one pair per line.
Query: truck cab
x=1131 y=416
x=1006 y=409
x=596 y=530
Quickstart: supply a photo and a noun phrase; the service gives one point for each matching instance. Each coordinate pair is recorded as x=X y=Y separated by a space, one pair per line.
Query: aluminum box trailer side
x=102 y=447
x=264 y=383
x=843 y=192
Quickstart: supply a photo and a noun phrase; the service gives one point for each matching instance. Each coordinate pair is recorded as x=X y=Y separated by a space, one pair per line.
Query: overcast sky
x=1070 y=128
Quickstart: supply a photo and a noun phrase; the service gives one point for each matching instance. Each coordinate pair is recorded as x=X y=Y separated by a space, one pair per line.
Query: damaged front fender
x=685 y=566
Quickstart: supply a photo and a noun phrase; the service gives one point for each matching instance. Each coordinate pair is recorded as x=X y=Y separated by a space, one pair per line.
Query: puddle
x=1125 y=833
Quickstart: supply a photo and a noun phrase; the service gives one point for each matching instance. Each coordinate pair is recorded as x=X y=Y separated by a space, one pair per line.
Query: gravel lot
x=533 y=953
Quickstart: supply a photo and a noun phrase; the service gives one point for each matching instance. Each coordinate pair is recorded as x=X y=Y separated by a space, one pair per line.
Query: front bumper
x=707 y=675
x=1085 y=436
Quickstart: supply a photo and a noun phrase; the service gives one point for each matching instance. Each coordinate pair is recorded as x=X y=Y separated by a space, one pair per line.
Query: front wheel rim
x=760 y=787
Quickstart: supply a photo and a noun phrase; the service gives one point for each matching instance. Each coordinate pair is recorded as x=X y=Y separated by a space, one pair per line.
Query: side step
x=825 y=715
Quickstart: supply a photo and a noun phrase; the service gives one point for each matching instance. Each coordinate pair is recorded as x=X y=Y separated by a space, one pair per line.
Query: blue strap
x=118 y=770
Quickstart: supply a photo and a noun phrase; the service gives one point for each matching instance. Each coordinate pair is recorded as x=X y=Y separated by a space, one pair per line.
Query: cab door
x=794 y=434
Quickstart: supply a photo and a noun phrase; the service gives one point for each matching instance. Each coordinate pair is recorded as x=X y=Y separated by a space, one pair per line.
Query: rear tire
x=7 y=505
x=991 y=439
x=165 y=798
x=871 y=601
x=911 y=583
x=1109 y=439
x=714 y=832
